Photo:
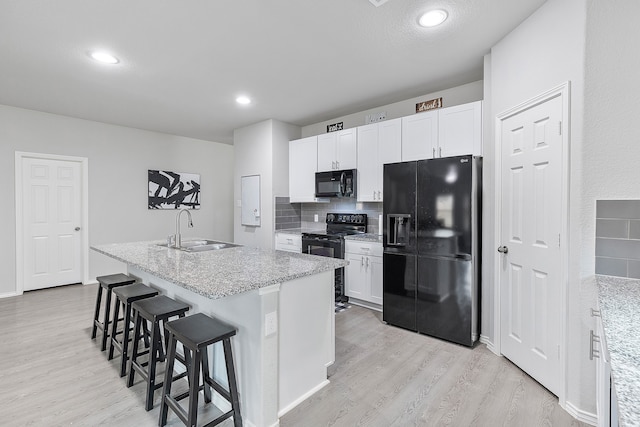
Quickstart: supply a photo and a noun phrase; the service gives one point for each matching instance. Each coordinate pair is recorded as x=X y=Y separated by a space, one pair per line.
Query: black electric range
x=330 y=242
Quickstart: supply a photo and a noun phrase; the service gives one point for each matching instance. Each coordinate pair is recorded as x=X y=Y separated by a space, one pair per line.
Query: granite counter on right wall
x=618 y=238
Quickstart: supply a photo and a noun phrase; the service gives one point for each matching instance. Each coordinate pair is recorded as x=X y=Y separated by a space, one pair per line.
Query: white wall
x=262 y=149
x=454 y=96
x=545 y=50
x=119 y=158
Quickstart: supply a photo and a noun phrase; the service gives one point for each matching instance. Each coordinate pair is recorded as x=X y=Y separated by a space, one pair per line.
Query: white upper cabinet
x=337 y=150
x=378 y=143
x=303 y=161
x=419 y=136
x=447 y=132
x=460 y=130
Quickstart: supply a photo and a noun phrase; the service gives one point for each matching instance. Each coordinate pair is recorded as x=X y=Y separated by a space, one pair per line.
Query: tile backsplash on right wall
x=618 y=238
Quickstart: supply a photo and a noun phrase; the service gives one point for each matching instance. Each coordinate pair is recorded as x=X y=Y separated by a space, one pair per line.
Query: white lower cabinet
x=606 y=402
x=363 y=275
x=289 y=242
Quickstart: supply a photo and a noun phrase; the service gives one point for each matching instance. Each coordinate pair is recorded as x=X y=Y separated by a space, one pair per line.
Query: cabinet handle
x=439 y=151
x=434 y=152
x=337 y=164
x=289 y=240
x=379 y=196
x=333 y=165
x=593 y=351
x=595 y=313
x=367 y=262
x=361 y=261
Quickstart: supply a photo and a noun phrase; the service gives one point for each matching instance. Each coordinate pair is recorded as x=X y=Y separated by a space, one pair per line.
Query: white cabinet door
x=460 y=130
x=368 y=163
x=355 y=278
x=302 y=169
x=346 y=151
x=419 y=136
x=389 y=148
x=375 y=279
x=327 y=151
x=337 y=150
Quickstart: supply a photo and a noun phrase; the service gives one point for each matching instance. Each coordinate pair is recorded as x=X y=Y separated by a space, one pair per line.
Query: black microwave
x=336 y=183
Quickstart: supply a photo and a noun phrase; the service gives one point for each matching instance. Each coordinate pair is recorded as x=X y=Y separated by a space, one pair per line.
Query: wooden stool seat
x=126 y=295
x=155 y=310
x=196 y=333
x=107 y=283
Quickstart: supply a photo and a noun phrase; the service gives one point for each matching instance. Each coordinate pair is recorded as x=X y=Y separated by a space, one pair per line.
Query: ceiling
x=183 y=63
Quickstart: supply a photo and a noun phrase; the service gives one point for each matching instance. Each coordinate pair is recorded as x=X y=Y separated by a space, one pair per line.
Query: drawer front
x=363 y=248
x=289 y=242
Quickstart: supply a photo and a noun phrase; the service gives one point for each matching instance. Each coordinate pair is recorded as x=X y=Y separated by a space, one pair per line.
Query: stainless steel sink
x=201 y=245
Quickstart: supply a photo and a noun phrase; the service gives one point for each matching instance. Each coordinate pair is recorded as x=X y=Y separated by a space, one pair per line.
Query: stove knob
x=330 y=218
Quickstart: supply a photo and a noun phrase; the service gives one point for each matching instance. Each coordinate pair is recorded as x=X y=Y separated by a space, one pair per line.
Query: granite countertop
x=619 y=301
x=367 y=237
x=219 y=273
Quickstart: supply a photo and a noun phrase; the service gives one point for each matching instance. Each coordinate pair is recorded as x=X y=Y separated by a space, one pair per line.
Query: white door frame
x=84 y=241
x=562 y=90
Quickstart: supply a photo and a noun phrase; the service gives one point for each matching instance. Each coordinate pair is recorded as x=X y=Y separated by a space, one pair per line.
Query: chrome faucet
x=177 y=239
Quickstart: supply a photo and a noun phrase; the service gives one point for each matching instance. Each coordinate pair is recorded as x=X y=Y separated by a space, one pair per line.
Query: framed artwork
x=173 y=190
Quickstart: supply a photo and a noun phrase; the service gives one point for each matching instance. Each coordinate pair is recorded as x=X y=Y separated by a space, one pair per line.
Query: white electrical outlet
x=270 y=323
x=315 y=218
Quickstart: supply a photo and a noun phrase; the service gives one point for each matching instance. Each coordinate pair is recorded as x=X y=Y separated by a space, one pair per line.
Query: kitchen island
x=281 y=303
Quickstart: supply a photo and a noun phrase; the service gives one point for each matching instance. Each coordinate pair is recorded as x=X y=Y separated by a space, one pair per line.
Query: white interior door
x=52 y=213
x=530 y=262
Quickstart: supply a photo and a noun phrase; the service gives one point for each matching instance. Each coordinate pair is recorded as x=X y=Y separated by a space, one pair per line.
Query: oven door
x=323 y=246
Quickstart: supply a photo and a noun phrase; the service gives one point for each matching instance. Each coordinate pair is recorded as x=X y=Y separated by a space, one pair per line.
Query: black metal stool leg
x=97 y=312
x=171 y=358
x=233 y=387
x=206 y=373
x=134 y=351
x=194 y=378
x=114 y=328
x=125 y=342
x=105 y=330
x=153 y=359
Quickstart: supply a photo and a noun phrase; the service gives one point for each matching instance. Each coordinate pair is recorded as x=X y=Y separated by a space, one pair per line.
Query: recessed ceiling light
x=104 y=57
x=433 y=18
x=244 y=100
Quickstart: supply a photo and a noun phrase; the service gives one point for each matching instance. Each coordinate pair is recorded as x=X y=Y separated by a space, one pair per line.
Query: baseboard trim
x=580 y=415
x=302 y=398
x=9 y=294
x=486 y=341
x=90 y=282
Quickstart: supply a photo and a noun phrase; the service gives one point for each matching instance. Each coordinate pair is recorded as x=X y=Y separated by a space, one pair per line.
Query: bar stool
x=126 y=295
x=108 y=283
x=154 y=310
x=196 y=333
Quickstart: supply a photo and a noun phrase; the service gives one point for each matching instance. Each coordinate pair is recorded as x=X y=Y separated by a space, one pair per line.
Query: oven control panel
x=346 y=218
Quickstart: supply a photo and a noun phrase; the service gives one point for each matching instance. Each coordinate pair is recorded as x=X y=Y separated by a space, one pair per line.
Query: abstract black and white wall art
x=173 y=190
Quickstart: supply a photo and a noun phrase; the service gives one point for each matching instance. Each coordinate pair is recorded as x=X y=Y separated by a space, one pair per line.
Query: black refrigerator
x=431 y=237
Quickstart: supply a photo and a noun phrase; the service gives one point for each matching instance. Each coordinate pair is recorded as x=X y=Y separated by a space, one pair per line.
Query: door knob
x=77 y=228
x=503 y=249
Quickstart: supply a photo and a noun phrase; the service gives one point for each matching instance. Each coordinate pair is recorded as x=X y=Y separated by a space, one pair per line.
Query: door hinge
x=559 y=128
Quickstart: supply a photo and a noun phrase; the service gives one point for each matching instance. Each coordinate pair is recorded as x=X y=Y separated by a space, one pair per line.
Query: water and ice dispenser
x=399 y=229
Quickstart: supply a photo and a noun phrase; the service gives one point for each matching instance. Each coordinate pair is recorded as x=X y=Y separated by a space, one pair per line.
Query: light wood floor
x=52 y=374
